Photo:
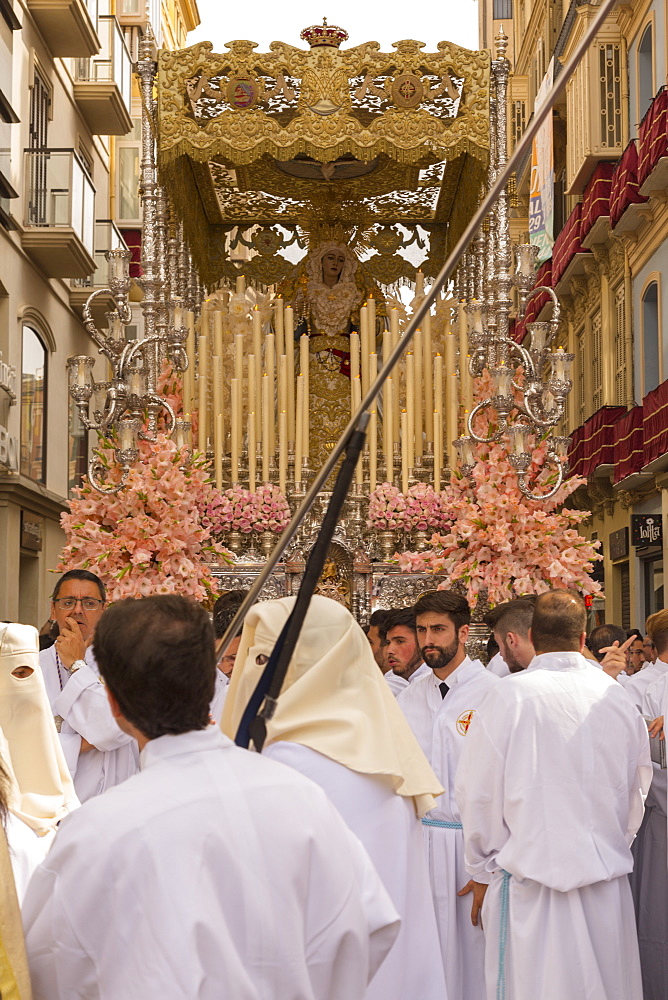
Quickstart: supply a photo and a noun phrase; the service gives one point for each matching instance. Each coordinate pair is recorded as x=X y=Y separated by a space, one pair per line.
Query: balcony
x=68 y=26
x=107 y=237
x=103 y=83
x=59 y=207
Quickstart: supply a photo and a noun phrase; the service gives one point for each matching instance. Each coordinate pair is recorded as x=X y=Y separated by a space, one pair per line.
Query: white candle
x=450 y=353
x=364 y=346
x=203 y=352
x=270 y=369
x=218 y=333
x=394 y=324
x=373 y=367
x=282 y=450
x=266 y=411
x=373 y=450
x=464 y=373
x=253 y=402
x=219 y=432
x=234 y=435
x=278 y=326
x=388 y=437
x=438 y=449
x=371 y=306
x=409 y=444
x=289 y=331
x=417 y=348
x=189 y=386
x=419 y=283
x=354 y=355
x=304 y=362
x=438 y=383
x=299 y=430
x=357 y=399
x=404 y=451
x=283 y=386
x=241 y=284
x=427 y=378
x=218 y=438
x=257 y=353
x=252 y=473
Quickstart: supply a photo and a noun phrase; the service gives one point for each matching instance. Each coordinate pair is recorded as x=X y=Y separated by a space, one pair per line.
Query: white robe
x=390 y=831
x=551 y=786
x=398 y=684
x=649 y=879
x=213 y=873
x=219 y=696
x=637 y=684
x=26 y=851
x=497 y=665
x=440 y=725
x=82 y=704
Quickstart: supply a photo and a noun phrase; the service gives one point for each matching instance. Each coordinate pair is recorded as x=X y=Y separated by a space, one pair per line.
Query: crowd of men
x=419 y=824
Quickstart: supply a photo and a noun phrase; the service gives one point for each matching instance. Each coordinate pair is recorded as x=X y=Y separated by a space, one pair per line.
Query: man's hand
x=478 y=889
x=70 y=644
x=615 y=659
x=85 y=746
x=656 y=727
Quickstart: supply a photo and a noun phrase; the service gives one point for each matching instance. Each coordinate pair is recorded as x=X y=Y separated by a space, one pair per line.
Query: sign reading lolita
x=646 y=529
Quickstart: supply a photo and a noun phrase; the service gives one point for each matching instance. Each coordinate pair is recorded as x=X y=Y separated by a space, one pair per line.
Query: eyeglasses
x=70 y=603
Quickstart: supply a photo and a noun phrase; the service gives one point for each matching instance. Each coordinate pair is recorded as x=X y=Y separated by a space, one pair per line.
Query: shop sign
x=646 y=529
x=9 y=450
x=31 y=531
x=619 y=543
x=8 y=378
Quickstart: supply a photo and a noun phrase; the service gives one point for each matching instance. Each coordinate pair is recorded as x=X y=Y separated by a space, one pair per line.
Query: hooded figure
x=338 y=723
x=41 y=792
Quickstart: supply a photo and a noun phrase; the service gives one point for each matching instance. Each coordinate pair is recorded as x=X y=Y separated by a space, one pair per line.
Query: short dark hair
x=398 y=616
x=377 y=619
x=445 y=602
x=79 y=574
x=157 y=657
x=512 y=616
x=559 y=619
x=225 y=609
x=605 y=635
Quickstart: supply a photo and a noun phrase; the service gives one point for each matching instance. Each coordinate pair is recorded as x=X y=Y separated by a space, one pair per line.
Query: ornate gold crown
x=324 y=34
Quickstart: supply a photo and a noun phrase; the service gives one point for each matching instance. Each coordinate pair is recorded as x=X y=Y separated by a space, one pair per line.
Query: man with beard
x=439 y=708
x=98 y=753
x=401 y=649
x=376 y=638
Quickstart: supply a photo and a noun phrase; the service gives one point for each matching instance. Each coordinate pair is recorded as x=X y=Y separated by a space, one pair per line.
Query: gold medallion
x=242 y=93
x=407 y=90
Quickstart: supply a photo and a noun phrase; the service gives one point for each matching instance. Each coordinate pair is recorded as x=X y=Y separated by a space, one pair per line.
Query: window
x=620 y=346
x=653 y=574
x=580 y=344
x=128 y=210
x=78 y=449
x=645 y=72
x=502 y=10
x=650 y=337
x=33 y=401
x=596 y=362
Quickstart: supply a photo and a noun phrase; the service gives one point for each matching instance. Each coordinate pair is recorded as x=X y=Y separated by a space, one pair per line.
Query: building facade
x=607 y=260
x=69 y=171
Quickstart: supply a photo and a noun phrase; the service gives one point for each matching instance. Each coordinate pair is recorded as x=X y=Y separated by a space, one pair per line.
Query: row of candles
x=263 y=422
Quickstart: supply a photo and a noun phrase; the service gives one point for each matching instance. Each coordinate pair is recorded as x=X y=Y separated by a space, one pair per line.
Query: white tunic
x=213 y=873
x=640 y=682
x=219 y=696
x=26 y=851
x=497 y=665
x=550 y=786
x=82 y=704
x=390 y=831
x=398 y=684
x=441 y=725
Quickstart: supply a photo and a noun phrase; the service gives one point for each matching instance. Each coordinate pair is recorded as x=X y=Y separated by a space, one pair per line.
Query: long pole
x=444 y=275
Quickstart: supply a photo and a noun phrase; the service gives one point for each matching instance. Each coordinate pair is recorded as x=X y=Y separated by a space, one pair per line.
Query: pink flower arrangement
x=387 y=509
x=503 y=543
x=424 y=508
x=149 y=538
x=237 y=511
x=271 y=509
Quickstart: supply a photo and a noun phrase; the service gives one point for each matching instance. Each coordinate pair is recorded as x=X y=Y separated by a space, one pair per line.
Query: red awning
x=653 y=136
x=596 y=197
x=624 y=187
x=628 y=441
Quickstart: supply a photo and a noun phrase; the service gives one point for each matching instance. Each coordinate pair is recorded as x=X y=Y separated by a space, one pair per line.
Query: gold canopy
x=297 y=146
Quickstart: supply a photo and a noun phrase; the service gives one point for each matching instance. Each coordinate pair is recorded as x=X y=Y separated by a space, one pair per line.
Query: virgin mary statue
x=326 y=292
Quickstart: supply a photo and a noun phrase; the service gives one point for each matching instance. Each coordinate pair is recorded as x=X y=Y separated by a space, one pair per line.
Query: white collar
x=560 y=661
x=457 y=674
x=182 y=744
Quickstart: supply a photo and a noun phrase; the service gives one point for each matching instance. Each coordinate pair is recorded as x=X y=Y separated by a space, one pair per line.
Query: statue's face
x=332 y=265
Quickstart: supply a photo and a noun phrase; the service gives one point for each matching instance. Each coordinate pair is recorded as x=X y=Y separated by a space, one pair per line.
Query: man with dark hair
x=637 y=659
x=401 y=649
x=603 y=636
x=214 y=871
x=511 y=622
x=224 y=611
x=376 y=639
x=439 y=708
x=550 y=786
x=97 y=752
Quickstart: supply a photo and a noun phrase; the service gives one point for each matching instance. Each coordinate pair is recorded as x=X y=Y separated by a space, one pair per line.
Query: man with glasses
x=97 y=752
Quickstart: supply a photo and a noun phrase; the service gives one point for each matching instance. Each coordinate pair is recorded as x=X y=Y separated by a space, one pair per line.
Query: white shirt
x=441 y=724
x=212 y=873
x=80 y=699
x=497 y=665
x=553 y=775
x=219 y=696
x=398 y=684
x=639 y=683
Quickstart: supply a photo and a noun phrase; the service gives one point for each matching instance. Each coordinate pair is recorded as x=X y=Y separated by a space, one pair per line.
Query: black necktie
x=443 y=688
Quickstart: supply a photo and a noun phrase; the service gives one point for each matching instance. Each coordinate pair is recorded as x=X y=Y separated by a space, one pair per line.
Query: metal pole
x=442 y=278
